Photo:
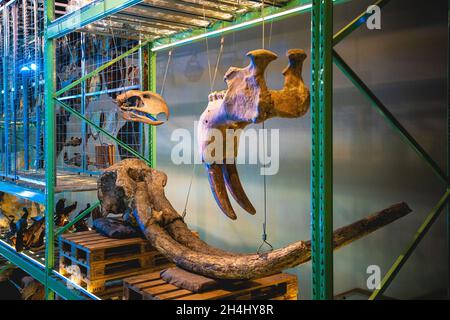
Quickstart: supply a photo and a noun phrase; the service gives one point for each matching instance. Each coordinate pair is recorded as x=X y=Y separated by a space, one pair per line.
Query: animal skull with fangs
x=142 y=106
x=132 y=186
x=247 y=100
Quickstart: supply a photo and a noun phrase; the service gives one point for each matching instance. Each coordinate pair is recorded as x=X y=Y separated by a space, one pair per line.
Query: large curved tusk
x=219 y=190
x=234 y=185
x=131 y=184
x=248 y=266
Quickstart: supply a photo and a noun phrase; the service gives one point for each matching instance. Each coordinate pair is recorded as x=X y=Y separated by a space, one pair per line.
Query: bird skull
x=142 y=106
x=247 y=100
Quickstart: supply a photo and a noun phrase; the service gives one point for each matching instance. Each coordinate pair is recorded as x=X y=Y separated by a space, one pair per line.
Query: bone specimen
x=74 y=161
x=32 y=237
x=115 y=75
x=133 y=75
x=11 y=208
x=61 y=130
x=73 y=142
x=82 y=224
x=140 y=106
x=63 y=212
x=247 y=100
x=22 y=226
x=105 y=114
x=32 y=289
x=131 y=185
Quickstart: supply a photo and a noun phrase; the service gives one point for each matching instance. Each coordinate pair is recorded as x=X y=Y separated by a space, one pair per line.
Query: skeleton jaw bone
x=140 y=106
x=247 y=100
x=132 y=185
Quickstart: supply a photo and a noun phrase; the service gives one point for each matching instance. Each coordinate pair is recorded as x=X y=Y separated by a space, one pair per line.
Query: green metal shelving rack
x=322 y=58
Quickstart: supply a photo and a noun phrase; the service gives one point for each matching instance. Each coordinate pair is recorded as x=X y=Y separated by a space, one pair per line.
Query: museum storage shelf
x=153 y=26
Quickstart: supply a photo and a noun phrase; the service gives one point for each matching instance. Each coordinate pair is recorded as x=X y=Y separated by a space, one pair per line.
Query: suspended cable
x=212 y=79
x=189 y=190
x=271 y=26
x=219 y=57
x=169 y=59
x=263 y=25
x=207 y=52
x=264 y=226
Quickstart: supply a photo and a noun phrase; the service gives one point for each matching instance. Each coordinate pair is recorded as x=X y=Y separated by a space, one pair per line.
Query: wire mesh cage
x=21 y=104
x=82 y=147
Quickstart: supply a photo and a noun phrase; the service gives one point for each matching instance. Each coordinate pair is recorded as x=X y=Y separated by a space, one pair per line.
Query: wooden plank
x=80 y=242
x=85 y=236
x=173 y=295
x=145 y=277
x=103 y=246
x=156 y=288
x=148 y=284
x=88 y=243
x=256 y=284
x=145 y=255
x=119 y=241
x=159 y=289
x=134 y=271
x=77 y=234
x=215 y=294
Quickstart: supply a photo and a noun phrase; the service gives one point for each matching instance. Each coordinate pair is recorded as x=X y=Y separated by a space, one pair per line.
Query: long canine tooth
x=234 y=185
x=219 y=190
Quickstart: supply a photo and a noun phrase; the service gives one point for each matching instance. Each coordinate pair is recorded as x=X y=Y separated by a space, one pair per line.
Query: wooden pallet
x=104 y=262
x=150 y=286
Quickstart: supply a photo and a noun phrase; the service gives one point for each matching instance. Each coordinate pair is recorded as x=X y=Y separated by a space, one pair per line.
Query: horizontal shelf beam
x=22 y=192
x=37 y=271
x=245 y=21
x=88 y=14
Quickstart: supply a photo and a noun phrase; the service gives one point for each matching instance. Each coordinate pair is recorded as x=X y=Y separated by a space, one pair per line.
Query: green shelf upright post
x=322 y=152
x=50 y=133
x=152 y=87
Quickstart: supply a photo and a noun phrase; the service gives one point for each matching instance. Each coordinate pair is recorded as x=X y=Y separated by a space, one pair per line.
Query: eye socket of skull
x=162 y=177
x=136 y=175
x=134 y=101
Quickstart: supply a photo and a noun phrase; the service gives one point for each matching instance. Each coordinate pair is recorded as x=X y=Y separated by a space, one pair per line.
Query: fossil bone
x=247 y=100
x=131 y=185
x=142 y=106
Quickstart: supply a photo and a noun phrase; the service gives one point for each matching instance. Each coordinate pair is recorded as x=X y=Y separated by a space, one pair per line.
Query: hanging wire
x=207 y=51
x=263 y=25
x=169 y=59
x=189 y=190
x=219 y=57
x=264 y=226
x=212 y=79
x=116 y=51
x=271 y=26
